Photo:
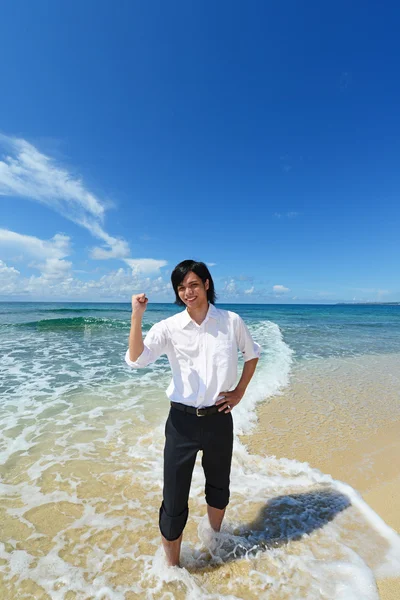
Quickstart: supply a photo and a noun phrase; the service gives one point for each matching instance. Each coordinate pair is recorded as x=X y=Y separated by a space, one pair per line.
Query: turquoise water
x=53 y=350
x=81 y=440
x=69 y=337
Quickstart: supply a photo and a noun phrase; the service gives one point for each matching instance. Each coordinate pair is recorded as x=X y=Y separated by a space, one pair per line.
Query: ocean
x=81 y=440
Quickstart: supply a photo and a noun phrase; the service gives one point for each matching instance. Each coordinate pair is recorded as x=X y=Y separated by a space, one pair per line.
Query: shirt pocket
x=223 y=353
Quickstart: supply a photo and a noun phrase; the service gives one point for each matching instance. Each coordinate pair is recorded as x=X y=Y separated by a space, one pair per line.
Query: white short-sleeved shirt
x=203 y=358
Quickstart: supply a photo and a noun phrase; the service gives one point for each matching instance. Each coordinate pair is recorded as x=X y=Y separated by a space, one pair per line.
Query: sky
x=262 y=138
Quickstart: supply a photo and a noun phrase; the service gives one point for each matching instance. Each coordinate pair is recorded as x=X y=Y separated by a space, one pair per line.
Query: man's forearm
x=136 y=345
x=248 y=372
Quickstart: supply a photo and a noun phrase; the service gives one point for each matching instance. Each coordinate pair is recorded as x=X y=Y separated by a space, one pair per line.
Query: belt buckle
x=198 y=414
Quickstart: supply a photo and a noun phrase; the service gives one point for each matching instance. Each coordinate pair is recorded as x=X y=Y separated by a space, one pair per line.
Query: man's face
x=192 y=291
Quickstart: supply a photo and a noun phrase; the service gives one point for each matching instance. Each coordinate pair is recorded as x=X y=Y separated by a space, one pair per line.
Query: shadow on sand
x=281 y=520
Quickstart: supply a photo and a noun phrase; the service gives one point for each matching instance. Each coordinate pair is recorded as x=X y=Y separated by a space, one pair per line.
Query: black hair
x=201 y=270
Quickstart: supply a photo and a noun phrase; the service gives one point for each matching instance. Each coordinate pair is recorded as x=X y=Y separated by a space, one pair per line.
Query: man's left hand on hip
x=229 y=401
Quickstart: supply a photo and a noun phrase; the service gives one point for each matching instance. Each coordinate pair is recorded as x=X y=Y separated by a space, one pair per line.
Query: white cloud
x=230 y=288
x=57 y=247
x=243 y=278
x=124 y=282
x=238 y=286
x=7 y=271
x=8 y=279
x=49 y=253
x=280 y=289
x=116 y=285
x=26 y=172
x=118 y=249
x=145 y=265
x=211 y=264
x=54 y=268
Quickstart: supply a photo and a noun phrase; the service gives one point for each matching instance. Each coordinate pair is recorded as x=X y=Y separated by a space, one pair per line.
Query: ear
x=206 y=284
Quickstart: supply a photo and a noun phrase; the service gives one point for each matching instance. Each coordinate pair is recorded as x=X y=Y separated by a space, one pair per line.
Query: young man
x=201 y=343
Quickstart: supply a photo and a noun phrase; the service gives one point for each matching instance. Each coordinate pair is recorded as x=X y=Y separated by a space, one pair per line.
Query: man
x=201 y=343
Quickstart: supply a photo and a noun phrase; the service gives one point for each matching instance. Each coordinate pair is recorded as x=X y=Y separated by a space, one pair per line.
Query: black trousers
x=185 y=435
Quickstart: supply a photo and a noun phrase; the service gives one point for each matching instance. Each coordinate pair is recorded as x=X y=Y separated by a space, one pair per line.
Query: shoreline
x=342 y=417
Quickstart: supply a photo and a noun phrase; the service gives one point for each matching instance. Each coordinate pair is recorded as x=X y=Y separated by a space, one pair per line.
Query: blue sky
x=262 y=138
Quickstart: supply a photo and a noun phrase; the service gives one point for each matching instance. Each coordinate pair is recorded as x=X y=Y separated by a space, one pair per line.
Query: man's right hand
x=139 y=304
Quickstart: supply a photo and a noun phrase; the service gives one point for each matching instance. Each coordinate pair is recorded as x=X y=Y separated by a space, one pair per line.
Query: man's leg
x=181 y=447
x=216 y=461
x=172 y=550
x=215 y=516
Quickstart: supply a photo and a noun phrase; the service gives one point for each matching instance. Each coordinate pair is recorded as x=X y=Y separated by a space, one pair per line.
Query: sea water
x=81 y=441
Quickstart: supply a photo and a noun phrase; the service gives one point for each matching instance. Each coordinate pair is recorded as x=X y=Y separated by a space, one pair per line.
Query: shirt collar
x=212 y=313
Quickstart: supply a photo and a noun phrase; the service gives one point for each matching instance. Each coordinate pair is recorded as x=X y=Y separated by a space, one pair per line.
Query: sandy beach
x=314 y=481
x=350 y=431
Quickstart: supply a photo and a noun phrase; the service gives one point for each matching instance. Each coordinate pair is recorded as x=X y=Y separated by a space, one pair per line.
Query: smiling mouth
x=190 y=299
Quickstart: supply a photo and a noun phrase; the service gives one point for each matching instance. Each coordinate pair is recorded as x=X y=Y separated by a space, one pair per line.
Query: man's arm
x=233 y=398
x=251 y=352
x=143 y=352
x=136 y=346
x=248 y=371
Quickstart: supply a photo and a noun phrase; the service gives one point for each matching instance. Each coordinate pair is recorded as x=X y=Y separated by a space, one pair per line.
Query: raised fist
x=139 y=303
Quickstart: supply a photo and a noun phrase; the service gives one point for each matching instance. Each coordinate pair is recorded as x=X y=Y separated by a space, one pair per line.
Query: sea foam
x=82 y=479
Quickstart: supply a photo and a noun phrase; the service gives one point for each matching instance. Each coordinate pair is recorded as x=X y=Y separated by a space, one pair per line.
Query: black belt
x=200 y=412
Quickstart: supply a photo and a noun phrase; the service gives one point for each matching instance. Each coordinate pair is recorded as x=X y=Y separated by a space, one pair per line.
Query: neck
x=198 y=314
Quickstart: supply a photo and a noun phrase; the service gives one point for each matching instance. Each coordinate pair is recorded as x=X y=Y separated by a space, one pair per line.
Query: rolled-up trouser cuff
x=172 y=527
x=217 y=498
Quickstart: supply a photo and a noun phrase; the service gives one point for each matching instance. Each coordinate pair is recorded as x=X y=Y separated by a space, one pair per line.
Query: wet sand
x=342 y=416
x=79 y=510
